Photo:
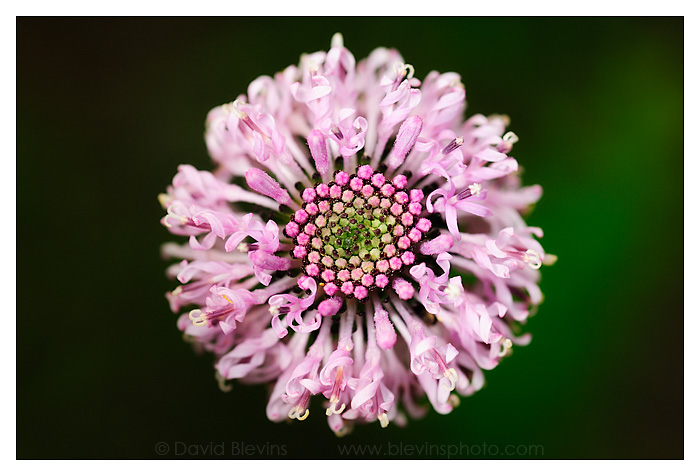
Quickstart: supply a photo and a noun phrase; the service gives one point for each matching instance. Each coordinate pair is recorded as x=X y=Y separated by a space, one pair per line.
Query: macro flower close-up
x=358 y=241
x=349 y=239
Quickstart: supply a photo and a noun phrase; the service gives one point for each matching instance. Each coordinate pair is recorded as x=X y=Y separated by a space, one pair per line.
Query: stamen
x=300 y=411
x=233 y=107
x=198 y=318
x=343 y=430
x=454 y=144
x=511 y=137
x=403 y=71
x=532 y=259
x=507 y=345
x=337 y=40
x=171 y=213
x=335 y=394
x=296 y=412
x=451 y=374
x=245 y=118
x=333 y=410
x=164 y=199
x=224 y=385
x=406 y=70
x=550 y=259
x=336 y=384
x=474 y=190
x=383 y=420
x=312 y=67
x=336 y=132
x=456 y=83
x=453 y=291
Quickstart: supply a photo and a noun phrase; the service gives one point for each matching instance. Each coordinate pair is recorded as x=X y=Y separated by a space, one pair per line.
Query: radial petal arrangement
x=357 y=243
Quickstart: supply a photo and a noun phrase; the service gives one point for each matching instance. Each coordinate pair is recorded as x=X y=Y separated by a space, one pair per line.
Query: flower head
x=357 y=242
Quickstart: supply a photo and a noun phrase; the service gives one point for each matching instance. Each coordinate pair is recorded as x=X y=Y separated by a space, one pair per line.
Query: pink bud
x=269 y=261
x=361 y=292
x=405 y=140
x=381 y=280
x=416 y=195
x=330 y=306
x=266 y=185
x=347 y=287
x=364 y=172
x=322 y=190
x=403 y=288
x=319 y=150
x=312 y=270
x=437 y=245
x=424 y=225
x=400 y=181
x=308 y=195
x=386 y=335
x=356 y=184
x=292 y=229
x=378 y=180
x=341 y=178
x=330 y=289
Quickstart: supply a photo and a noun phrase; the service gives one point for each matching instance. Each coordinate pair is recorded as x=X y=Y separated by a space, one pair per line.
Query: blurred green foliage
x=107 y=109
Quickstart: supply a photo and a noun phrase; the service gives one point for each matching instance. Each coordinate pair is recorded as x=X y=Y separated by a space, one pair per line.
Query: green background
x=107 y=109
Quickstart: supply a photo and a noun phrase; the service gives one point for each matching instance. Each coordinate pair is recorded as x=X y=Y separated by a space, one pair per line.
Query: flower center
x=353 y=233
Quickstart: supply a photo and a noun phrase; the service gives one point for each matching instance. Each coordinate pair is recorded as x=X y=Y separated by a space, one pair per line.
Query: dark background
x=107 y=109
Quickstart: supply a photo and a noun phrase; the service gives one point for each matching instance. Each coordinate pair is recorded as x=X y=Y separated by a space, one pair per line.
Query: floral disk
x=357 y=241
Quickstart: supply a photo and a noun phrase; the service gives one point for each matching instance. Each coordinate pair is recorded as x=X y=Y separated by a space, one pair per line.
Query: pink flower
x=347 y=202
